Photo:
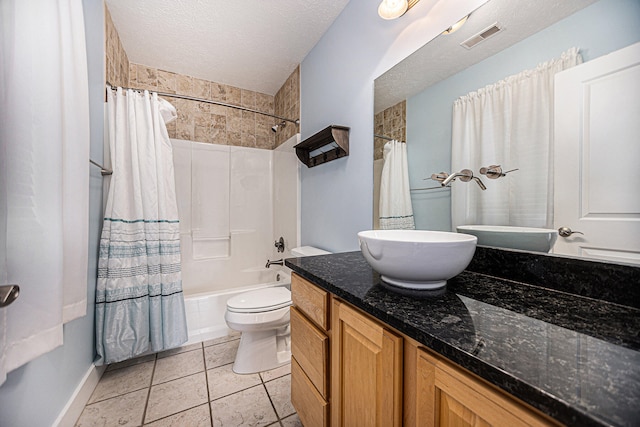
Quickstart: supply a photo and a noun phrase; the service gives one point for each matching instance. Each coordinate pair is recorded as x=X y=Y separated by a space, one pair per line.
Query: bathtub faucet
x=270 y=263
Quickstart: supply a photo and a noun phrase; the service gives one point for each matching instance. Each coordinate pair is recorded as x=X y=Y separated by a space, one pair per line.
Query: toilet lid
x=261 y=300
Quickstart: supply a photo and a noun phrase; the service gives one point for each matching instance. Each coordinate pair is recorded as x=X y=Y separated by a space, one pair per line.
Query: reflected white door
x=597 y=157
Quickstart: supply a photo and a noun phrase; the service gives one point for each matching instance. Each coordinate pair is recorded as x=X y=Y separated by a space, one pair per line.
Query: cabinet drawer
x=311 y=300
x=312 y=409
x=310 y=347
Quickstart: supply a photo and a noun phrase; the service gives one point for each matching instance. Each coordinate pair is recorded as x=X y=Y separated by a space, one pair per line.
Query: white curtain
x=396 y=212
x=44 y=164
x=509 y=123
x=139 y=301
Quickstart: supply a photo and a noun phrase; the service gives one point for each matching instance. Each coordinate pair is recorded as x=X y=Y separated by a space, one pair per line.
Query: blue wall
x=35 y=394
x=337 y=88
x=601 y=28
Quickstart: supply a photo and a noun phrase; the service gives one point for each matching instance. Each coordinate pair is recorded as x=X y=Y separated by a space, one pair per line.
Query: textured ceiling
x=444 y=56
x=251 y=44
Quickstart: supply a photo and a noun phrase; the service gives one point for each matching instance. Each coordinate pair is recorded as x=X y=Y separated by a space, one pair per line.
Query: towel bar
x=104 y=171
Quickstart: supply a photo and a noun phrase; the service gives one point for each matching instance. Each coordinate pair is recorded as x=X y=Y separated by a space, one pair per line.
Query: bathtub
x=205 y=311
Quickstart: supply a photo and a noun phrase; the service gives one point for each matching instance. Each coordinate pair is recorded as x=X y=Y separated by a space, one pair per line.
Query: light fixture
x=392 y=9
x=455 y=27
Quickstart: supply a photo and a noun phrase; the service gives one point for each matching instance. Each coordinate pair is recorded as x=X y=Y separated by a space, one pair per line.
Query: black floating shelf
x=329 y=144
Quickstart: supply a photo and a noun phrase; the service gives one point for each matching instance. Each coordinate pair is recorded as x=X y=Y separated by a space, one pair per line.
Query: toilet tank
x=307 y=251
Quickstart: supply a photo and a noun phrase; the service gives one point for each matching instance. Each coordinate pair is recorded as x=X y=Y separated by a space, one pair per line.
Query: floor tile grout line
x=235 y=392
x=271 y=401
x=221 y=342
x=116 y=396
x=179 y=378
x=206 y=378
x=146 y=403
x=191 y=407
x=178 y=354
x=177 y=413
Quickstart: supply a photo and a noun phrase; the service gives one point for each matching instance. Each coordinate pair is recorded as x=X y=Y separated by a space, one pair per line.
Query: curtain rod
x=430 y=188
x=208 y=101
x=386 y=137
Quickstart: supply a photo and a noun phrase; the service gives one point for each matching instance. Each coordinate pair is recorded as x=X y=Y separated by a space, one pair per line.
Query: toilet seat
x=260 y=301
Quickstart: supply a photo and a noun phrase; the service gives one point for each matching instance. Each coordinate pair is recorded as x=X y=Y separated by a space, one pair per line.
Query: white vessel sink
x=417 y=259
x=524 y=238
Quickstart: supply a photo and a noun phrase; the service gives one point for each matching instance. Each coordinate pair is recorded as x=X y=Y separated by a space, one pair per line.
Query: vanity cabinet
x=310 y=352
x=439 y=393
x=348 y=369
x=366 y=370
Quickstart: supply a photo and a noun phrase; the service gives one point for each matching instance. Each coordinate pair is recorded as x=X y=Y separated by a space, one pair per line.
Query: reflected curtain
x=396 y=212
x=44 y=174
x=509 y=123
x=139 y=301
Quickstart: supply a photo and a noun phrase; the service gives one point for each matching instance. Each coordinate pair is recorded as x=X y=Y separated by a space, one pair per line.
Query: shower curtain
x=396 y=212
x=44 y=175
x=509 y=123
x=139 y=301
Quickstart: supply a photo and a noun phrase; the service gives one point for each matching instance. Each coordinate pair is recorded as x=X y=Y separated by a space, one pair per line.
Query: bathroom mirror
x=414 y=99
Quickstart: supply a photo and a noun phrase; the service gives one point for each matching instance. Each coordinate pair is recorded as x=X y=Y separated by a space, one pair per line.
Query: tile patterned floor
x=191 y=386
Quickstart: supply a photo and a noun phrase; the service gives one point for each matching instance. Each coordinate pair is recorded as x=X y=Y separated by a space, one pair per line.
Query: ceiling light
x=455 y=27
x=392 y=9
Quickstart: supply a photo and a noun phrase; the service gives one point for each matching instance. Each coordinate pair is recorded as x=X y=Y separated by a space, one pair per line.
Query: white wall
x=337 y=88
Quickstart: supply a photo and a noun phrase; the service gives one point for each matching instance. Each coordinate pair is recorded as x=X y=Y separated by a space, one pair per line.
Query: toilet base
x=263 y=350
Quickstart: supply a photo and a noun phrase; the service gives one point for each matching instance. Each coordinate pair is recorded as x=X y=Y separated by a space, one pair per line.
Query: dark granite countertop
x=573 y=357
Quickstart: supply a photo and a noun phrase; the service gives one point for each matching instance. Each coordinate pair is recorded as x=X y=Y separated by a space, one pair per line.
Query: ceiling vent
x=482 y=35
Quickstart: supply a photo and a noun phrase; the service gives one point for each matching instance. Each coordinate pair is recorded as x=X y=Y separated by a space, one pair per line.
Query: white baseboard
x=72 y=410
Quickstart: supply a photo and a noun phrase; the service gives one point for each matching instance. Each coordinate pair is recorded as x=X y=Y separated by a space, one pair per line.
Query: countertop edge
x=551 y=405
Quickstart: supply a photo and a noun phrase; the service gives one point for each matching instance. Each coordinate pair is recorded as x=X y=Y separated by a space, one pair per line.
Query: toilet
x=262 y=317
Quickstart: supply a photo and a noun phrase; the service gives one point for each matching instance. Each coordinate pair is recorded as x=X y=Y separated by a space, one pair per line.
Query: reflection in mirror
x=562 y=79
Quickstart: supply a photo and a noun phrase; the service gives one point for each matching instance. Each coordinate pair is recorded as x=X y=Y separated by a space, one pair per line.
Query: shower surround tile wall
x=202 y=122
x=214 y=124
x=287 y=104
x=391 y=122
x=116 y=60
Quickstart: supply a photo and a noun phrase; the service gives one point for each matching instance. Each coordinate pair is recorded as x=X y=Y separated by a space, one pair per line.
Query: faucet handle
x=439 y=176
x=279 y=244
x=494 y=171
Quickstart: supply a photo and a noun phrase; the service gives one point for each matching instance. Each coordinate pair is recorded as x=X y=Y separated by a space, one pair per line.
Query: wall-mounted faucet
x=279 y=244
x=465 y=175
x=270 y=263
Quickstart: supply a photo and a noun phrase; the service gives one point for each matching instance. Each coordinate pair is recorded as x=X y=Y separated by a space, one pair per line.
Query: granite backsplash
x=606 y=281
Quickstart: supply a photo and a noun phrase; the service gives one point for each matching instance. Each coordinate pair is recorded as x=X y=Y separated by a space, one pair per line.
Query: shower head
x=278 y=126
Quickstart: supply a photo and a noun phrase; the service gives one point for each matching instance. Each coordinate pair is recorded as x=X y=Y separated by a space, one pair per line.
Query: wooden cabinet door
x=366 y=371
x=447 y=396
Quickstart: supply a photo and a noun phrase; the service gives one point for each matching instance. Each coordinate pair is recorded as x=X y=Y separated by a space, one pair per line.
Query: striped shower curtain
x=139 y=301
